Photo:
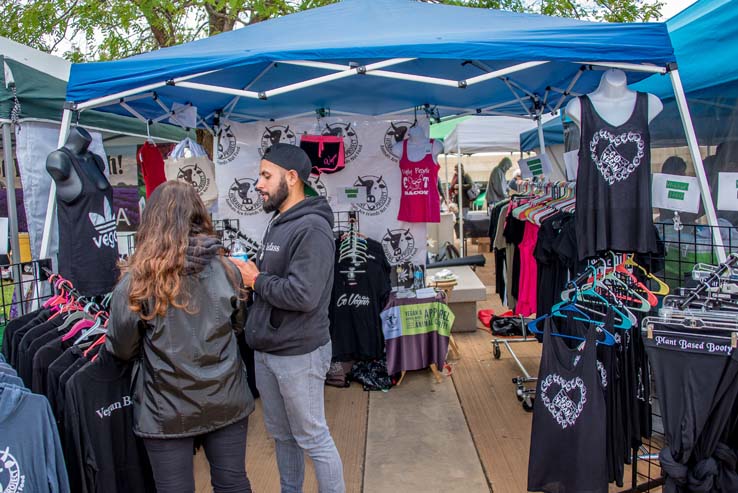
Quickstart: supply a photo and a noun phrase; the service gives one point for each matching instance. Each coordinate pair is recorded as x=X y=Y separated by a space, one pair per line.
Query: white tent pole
x=445 y=194
x=699 y=166
x=102 y=101
x=541 y=143
x=459 y=199
x=10 y=191
x=633 y=67
x=51 y=207
x=503 y=71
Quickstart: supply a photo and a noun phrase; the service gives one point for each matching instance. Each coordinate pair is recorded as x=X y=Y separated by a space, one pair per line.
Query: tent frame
x=540 y=105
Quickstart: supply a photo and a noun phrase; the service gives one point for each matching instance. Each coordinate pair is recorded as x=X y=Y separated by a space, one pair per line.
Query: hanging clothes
x=326 y=152
x=692 y=383
x=420 y=201
x=613 y=196
x=528 y=271
x=98 y=421
x=356 y=304
x=88 y=245
x=567 y=452
x=151 y=163
x=30 y=453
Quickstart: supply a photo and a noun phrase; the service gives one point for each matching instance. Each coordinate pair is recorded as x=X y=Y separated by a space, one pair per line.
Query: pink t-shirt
x=420 y=202
x=528 y=272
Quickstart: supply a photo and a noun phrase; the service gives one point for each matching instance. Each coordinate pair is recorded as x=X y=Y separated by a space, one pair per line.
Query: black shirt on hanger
x=32 y=342
x=356 y=327
x=16 y=336
x=10 y=329
x=43 y=358
x=567 y=452
x=98 y=420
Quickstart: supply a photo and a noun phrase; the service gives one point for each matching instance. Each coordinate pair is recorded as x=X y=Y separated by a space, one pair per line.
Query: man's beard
x=273 y=202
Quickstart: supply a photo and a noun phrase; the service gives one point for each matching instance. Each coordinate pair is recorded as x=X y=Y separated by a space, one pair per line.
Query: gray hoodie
x=289 y=315
x=30 y=452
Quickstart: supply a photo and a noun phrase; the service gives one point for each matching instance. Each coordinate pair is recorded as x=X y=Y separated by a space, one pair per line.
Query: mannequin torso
x=613 y=101
x=418 y=145
x=60 y=167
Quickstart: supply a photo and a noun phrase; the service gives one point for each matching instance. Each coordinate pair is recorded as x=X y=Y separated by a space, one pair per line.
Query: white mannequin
x=613 y=101
x=418 y=145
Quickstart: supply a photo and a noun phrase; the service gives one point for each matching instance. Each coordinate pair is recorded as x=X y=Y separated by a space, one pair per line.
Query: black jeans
x=172 y=464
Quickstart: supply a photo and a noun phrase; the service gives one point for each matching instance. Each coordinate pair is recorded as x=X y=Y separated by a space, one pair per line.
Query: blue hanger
x=609 y=339
x=625 y=322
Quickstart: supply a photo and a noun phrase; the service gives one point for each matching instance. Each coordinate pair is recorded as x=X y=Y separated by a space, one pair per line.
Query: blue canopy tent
x=710 y=82
x=375 y=57
x=553 y=133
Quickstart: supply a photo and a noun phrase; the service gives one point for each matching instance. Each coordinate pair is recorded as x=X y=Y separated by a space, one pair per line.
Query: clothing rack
x=343 y=221
x=95 y=303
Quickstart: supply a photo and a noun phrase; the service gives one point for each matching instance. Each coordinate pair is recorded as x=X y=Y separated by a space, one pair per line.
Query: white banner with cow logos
x=370 y=164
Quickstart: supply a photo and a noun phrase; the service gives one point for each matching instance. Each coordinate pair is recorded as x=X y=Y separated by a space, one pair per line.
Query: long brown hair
x=174 y=212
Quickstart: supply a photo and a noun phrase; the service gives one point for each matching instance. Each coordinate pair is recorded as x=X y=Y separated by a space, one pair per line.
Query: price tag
x=535 y=166
x=727 y=192
x=675 y=192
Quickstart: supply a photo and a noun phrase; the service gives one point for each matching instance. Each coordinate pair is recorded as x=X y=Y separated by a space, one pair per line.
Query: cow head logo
x=243 y=197
x=227 y=145
x=276 y=134
x=398 y=245
x=317 y=184
x=351 y=145
x=193 y=175
x=377 y=195
x=394 y=134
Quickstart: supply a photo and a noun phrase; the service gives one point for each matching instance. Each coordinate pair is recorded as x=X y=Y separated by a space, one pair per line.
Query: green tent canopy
x=33 y=86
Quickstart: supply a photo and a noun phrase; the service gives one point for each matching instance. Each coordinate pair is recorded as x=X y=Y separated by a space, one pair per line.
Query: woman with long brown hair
x=177 y=310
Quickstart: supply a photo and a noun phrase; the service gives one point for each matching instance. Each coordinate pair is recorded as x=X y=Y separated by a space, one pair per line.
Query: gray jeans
x=291 y=389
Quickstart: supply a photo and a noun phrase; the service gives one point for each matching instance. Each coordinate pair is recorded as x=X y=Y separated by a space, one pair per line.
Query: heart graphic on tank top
x=616 y=155
x=564 y=399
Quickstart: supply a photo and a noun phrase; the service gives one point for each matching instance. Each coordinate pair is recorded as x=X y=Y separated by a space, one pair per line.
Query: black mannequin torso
x=61 y=169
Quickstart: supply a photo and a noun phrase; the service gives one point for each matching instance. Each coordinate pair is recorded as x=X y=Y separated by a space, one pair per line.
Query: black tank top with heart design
x=568 y=451
x=613 y=209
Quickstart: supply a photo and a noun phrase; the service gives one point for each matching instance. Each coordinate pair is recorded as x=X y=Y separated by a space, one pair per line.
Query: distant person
x=466 y=185
x=497 y=183
x=516 y=181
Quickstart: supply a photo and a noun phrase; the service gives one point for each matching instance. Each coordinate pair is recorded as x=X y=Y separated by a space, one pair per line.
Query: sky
x=672 y=7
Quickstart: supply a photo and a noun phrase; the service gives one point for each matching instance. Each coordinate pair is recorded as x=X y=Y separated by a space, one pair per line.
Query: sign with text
x=535 y=166
x=728 y=192
x=676 y=193
x=351 y=195
x=571 y=160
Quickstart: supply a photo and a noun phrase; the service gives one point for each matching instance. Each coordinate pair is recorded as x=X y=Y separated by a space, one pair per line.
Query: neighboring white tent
x=487 y=134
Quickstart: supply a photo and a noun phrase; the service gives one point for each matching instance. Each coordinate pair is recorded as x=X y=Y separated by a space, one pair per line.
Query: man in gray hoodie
x=287 y=324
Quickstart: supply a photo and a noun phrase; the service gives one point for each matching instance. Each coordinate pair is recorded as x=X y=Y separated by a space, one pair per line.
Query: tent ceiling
x=366 y=32
x=40 y=83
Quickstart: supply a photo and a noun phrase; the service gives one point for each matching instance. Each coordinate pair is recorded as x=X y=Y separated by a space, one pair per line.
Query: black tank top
x=613 y=210
x=567 y=448
x=88 y=247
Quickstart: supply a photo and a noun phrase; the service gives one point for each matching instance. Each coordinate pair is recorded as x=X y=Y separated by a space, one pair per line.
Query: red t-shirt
x=151 y=162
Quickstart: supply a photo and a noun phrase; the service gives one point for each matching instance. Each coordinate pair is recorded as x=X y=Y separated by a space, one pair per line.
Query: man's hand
x=248 y=270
